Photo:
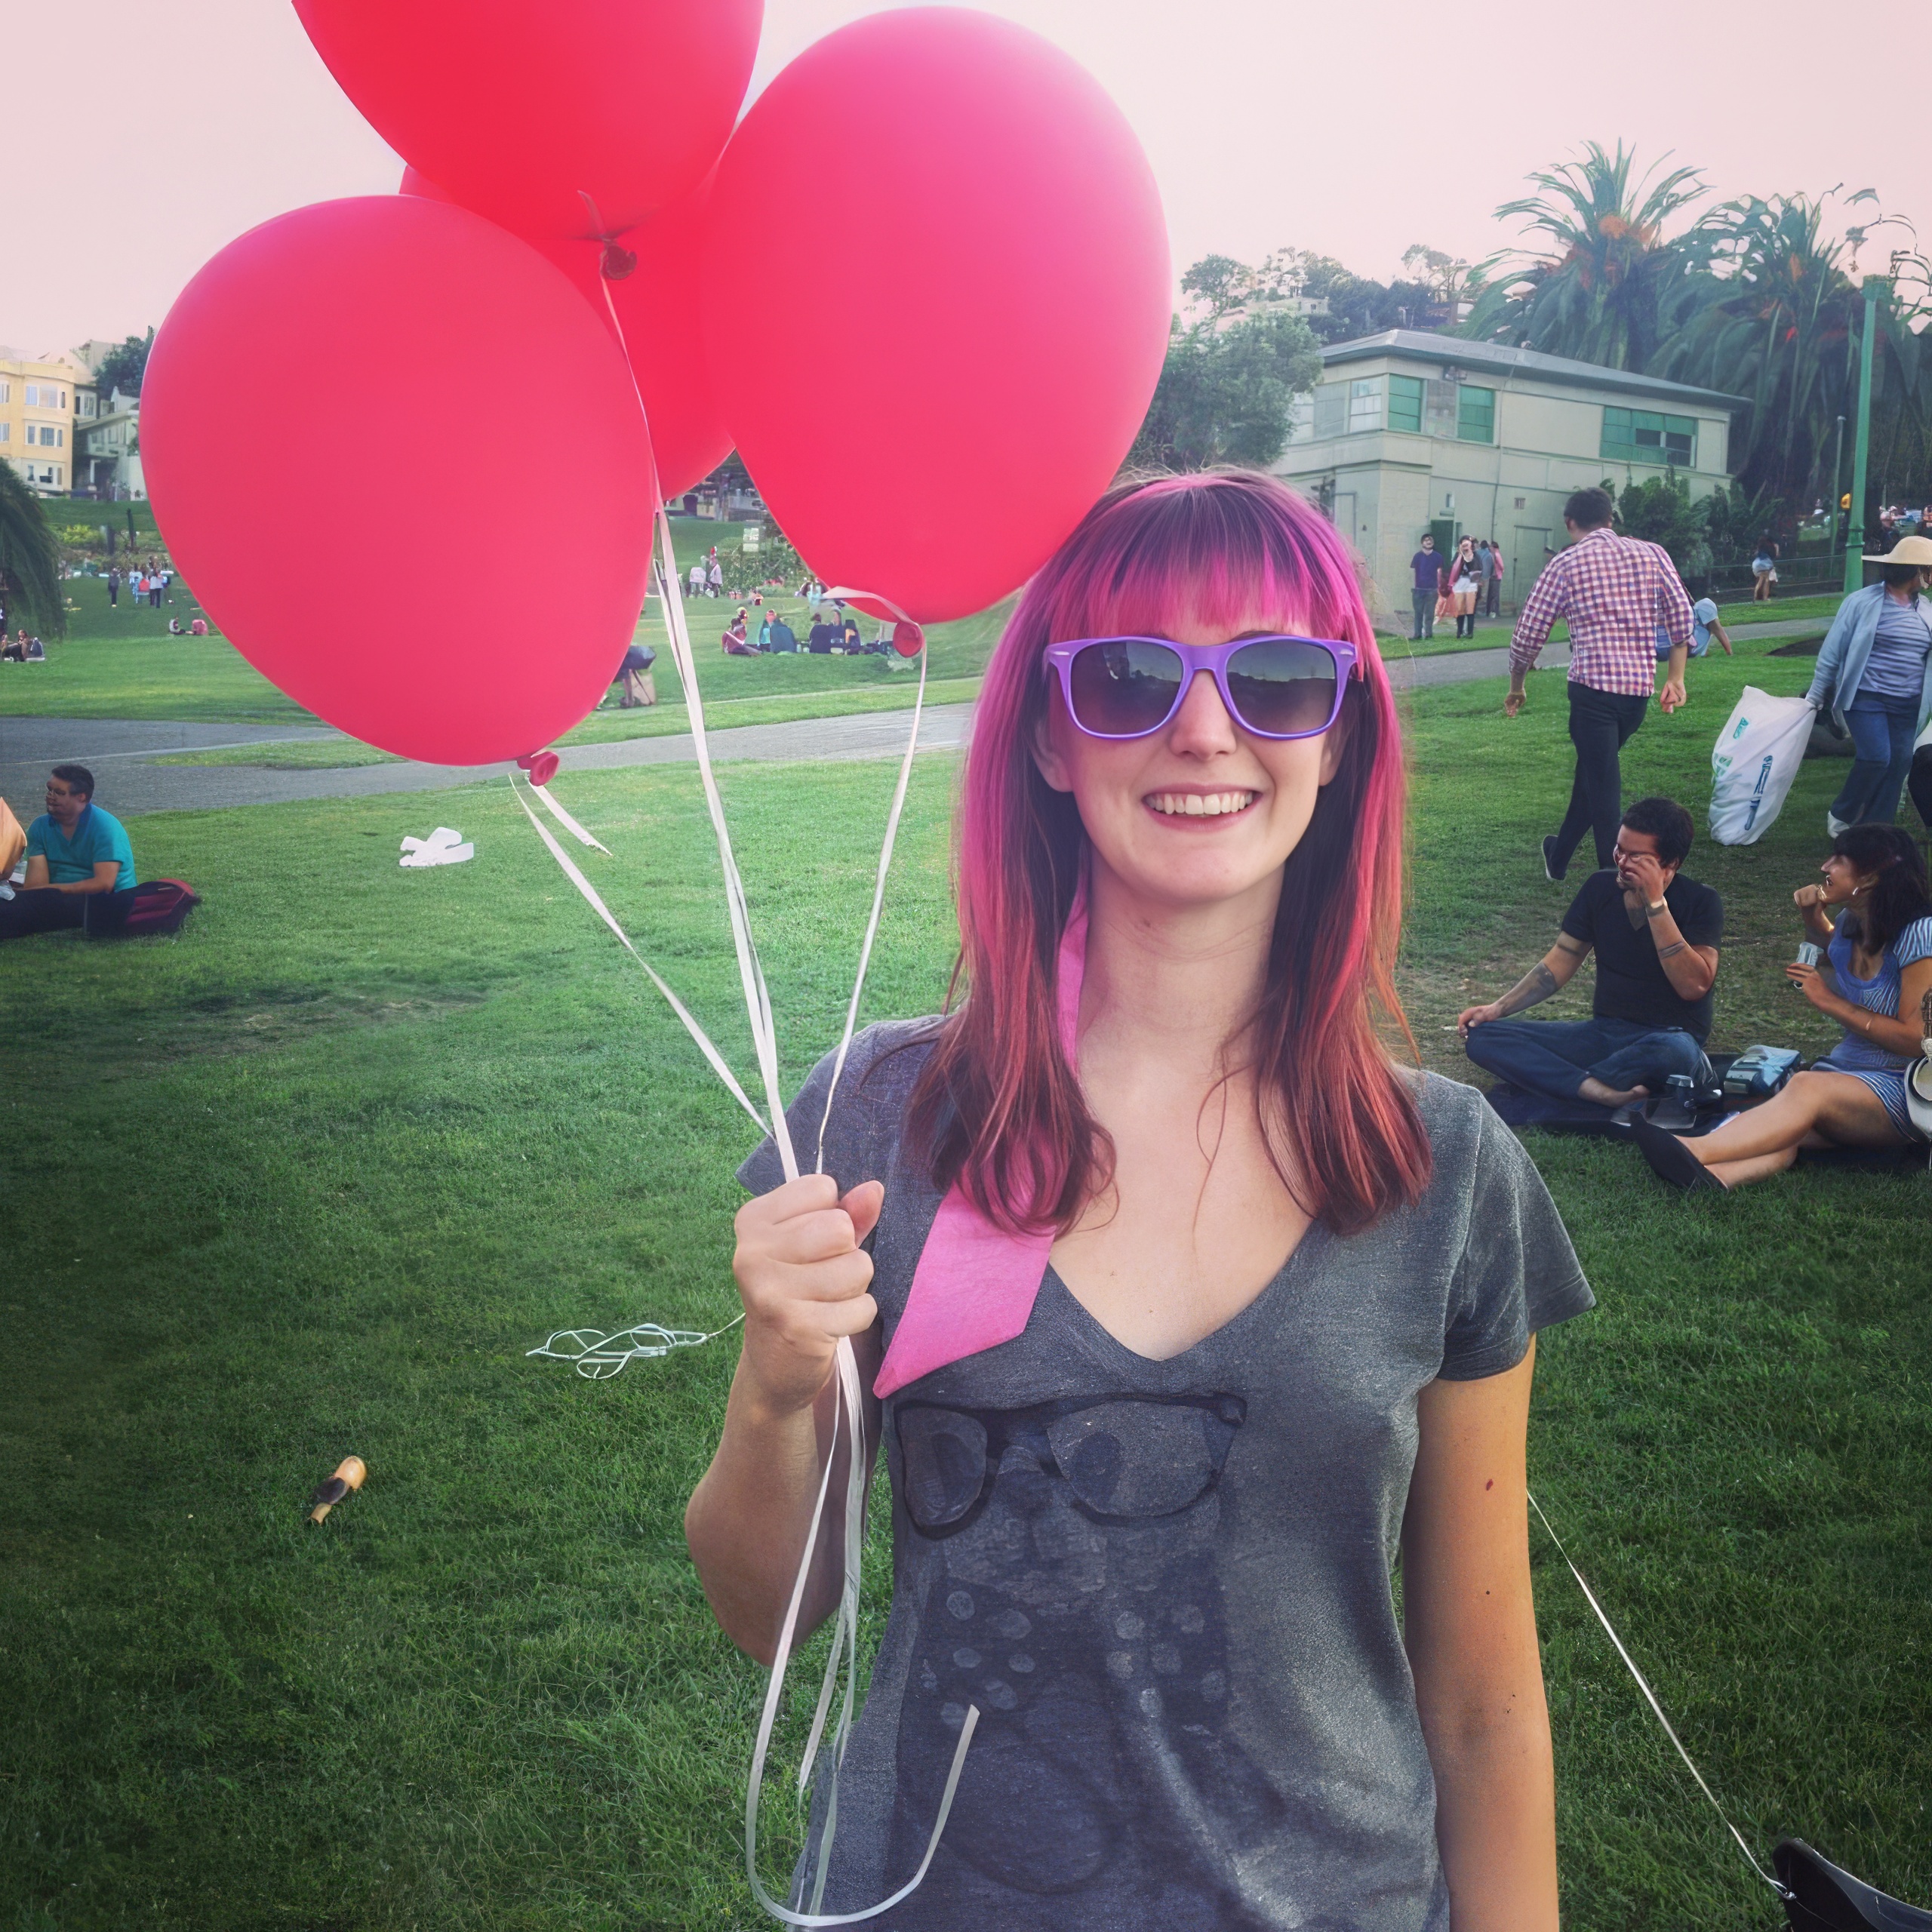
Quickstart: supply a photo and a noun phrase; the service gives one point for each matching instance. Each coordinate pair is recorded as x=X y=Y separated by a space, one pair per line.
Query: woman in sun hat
x=1874 y=672
x=1183 y=1309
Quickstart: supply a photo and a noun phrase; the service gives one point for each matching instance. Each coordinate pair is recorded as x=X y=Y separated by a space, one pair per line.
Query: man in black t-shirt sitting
x=1655 y=934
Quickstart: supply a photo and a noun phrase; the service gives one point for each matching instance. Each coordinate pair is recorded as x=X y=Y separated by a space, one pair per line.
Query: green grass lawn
x=312 y=1177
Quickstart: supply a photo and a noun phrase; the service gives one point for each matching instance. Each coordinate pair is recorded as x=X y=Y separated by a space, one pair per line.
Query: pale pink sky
x=137 y=147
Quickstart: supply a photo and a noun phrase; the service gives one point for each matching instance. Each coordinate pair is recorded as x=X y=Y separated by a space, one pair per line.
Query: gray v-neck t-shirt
x=1165 y=1585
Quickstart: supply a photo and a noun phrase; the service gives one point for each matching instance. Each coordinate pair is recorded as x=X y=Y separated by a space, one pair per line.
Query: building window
x=1638 y=435
x=6 y=392
x=1405 y=403
x=86 y=405
x=1475 y=415
x=45 y=395
x=1365 y=404
x=1301 y=419
x=1331 y=405
x=6 y=432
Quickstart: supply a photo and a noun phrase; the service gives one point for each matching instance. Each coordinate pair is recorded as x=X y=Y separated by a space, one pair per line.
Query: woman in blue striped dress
x=1881 y=955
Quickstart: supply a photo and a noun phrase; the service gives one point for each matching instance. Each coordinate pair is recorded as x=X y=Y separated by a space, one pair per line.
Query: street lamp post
x=1837 y=479
x=1854 y=545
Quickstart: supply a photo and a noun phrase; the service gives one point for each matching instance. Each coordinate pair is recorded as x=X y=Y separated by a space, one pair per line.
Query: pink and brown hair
x=996 y=1108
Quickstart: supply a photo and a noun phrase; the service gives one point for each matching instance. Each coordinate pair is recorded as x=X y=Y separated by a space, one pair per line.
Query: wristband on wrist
x=1652 y=911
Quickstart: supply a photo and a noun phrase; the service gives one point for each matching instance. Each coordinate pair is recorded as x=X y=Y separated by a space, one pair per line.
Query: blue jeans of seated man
x=1554 y=1057
x=1882 y=729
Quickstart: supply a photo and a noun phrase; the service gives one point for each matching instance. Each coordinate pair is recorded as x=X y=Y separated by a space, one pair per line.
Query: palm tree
x=30 y=559
x=1774 y=315
x=1604 y=285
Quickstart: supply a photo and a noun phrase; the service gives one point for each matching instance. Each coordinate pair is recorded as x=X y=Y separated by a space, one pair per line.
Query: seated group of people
x=832 y=629
x=22 y=649
x=1656 y=935
x=80 y=865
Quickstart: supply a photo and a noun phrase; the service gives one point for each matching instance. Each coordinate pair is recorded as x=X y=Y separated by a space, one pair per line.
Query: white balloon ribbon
x=649 y=1339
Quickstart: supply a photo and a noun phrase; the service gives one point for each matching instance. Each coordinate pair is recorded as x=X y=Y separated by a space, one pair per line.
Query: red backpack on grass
x=160 y=907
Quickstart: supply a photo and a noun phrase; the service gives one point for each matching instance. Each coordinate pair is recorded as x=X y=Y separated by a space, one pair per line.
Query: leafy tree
x=1776 y=318
x=30 y=559
x=1660 y=510
x=1221 y=285
x=1735 y=517
x=122 y=368
x=1605 y=285
x=1225 y=390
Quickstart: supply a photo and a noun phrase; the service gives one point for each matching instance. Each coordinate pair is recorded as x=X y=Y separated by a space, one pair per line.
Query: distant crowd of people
x=151 y=583
x=1466 y=584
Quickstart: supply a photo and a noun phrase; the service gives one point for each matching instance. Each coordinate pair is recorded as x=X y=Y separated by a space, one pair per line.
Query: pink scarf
x=975 y=1285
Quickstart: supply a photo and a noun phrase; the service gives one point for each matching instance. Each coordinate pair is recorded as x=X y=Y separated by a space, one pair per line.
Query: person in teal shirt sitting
x=80 y=865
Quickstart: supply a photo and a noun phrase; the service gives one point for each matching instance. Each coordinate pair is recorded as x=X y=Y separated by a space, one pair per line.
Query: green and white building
x=1409 y=432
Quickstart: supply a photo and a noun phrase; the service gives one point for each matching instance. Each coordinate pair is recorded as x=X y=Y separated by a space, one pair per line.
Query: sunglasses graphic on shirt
x=1127 y=1459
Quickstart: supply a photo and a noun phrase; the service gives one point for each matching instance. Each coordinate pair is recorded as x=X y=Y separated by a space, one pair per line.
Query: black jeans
x=101 y=914
x=1601 y=724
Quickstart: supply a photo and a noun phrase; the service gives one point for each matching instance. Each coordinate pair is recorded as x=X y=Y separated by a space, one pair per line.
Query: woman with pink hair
x=1186 y=1311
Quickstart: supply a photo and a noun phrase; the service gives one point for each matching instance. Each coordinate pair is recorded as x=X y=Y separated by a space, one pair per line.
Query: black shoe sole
x=1671 y=1162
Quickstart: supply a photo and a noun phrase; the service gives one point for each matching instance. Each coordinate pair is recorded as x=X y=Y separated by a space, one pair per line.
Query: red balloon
x=452 y=555
x=514 y=108
x=991 y=359
x=658 y=301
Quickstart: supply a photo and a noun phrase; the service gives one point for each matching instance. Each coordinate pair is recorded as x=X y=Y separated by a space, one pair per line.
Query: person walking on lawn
x=1874 y=673
x=1427 y=565
x=1655 y=934
x=1492 y=602
x=1617 y=592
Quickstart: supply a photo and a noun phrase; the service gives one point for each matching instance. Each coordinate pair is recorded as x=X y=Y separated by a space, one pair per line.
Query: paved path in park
x=121 y=753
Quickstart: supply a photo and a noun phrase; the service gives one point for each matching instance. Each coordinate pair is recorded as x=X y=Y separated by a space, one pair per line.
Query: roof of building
x=1453 y=351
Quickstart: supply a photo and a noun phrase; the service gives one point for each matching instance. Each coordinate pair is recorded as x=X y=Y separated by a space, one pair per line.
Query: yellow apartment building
x=45 y=401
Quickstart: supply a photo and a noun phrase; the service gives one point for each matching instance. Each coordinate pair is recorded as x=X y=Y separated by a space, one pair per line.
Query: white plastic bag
x=1756 y=757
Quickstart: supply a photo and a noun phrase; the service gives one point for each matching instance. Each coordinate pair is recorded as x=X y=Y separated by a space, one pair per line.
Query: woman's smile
x=1199 y=802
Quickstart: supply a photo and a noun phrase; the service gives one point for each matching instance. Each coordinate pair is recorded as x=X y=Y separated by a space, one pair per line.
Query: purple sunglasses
x=1274 y=686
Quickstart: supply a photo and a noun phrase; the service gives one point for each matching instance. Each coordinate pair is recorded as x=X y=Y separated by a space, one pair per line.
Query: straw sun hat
x=1908 y=550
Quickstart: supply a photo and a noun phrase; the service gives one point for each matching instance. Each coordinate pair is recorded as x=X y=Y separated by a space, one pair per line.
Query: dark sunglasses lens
x=944 y=1455
x=1281 y=686
x=1140 y=1459
x=1124 y=686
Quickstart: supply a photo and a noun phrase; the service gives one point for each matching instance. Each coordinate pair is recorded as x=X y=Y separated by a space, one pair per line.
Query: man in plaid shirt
x=1617 y=593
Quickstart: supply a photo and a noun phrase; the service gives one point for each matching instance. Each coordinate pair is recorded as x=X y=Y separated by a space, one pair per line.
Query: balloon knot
x=541 y=766
x=618 y=263
x=908 y=639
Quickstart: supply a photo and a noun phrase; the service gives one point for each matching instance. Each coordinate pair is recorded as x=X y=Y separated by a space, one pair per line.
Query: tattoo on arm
x=1538 y=983
x=1678 y=946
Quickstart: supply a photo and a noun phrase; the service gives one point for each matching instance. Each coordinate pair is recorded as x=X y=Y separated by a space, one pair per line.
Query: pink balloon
x=659 y=305
x=450 y=558
x=513 y=109
x=1005 y=296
